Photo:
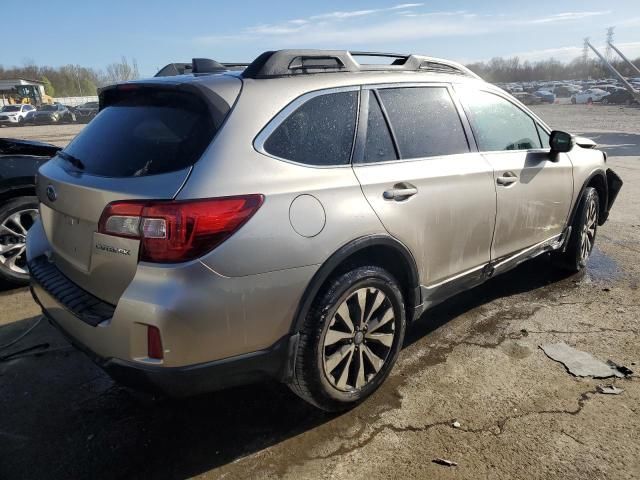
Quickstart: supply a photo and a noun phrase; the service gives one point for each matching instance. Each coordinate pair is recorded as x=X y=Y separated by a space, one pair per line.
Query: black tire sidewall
x=325 y=395
x=573 y=254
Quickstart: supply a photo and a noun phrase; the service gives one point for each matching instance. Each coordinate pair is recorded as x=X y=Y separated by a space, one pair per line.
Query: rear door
x=142 y=144
x=534 y=188
x=420 y=175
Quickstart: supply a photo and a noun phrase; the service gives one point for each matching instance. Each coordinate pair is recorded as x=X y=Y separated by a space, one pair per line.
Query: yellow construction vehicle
x=33 y=94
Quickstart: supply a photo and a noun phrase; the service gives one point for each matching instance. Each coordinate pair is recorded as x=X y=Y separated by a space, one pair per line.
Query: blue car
x=545 y=96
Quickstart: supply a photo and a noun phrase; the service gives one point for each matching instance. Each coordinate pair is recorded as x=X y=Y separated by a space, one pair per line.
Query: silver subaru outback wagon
x=289 y=220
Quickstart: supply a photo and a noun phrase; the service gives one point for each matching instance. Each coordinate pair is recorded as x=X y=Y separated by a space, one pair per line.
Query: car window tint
x=378 y=145
x=498 y=124
x=144 y=133
x=544 y=137
x=425 y=121
x=319 y=132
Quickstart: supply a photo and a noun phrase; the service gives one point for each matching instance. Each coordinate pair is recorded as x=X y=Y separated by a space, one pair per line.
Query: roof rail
x=197 y=66
x=281 y=63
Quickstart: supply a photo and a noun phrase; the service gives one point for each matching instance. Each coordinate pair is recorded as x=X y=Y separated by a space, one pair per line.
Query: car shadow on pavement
x=62 y=417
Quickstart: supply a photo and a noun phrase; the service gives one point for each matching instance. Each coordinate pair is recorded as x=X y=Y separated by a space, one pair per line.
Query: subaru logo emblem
x=51 y=193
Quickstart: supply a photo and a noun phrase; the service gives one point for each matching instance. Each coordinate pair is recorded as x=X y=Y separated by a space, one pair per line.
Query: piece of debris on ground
x=579 y=363
x=445 y=462
x=609 y=389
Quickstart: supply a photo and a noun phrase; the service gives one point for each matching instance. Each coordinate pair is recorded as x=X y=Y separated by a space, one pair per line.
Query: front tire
x=583 y=232
x=16 y=217
x=350 y=339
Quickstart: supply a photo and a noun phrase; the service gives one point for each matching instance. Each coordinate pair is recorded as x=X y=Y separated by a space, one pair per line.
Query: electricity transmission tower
x=608 y=54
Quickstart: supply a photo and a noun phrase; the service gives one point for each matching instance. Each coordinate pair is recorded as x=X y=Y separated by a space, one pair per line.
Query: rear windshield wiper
x=76 y=162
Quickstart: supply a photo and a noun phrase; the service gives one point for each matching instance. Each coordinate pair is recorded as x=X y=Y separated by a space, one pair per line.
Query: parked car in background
x=565 y=91
x=55 y=113
x=545 y=96
x=527 y=98
x=590 y=95
x=19 y=163
x=84 y=113
x=287 y=221
x=621 y=96
x=15 y=114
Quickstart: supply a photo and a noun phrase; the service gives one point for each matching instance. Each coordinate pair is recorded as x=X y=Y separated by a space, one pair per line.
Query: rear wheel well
x=388 y=258
x=17 y=191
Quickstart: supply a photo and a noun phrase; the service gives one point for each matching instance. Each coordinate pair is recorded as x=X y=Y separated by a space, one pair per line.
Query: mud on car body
x=293 y=218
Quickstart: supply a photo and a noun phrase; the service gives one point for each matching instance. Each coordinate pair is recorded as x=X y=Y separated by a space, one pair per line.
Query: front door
x=428 y=188
x=534 y=188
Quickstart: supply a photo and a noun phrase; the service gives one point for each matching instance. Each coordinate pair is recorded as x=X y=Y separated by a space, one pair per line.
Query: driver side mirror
x=561 y=142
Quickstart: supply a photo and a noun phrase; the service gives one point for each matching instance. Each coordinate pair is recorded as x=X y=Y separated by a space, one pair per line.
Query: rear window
x=320 y=132
x=144 y=132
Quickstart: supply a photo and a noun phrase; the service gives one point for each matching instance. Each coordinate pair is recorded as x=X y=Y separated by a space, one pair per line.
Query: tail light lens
x=177 y=231
x=154 y=343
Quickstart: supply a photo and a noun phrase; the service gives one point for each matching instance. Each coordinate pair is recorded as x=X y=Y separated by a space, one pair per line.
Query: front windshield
x=11 y=108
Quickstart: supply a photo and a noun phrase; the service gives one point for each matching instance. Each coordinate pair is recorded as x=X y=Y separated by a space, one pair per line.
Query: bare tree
x=122 y=71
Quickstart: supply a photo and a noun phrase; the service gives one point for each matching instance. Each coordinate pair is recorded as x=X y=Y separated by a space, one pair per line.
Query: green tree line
x=73 y=80
x=514 y=70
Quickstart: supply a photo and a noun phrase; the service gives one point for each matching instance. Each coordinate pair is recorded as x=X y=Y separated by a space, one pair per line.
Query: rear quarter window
x=144 y=133
x=320 y=132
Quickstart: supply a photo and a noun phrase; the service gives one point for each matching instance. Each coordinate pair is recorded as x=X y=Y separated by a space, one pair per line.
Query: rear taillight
x=177 y=231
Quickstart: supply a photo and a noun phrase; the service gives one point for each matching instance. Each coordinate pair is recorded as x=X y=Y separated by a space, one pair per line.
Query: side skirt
x=437 y=293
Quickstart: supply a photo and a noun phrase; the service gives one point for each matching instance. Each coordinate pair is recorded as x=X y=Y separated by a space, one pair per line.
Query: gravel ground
x=474 y=359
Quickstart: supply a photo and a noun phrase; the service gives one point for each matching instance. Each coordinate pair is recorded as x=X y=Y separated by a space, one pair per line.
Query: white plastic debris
x=445 y=462
x=455 y=424
x=609 y=389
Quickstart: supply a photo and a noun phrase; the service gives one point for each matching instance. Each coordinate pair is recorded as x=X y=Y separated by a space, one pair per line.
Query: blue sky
x=92 y=33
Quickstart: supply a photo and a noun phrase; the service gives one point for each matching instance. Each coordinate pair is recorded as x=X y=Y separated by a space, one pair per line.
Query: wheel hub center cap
x=358 y=338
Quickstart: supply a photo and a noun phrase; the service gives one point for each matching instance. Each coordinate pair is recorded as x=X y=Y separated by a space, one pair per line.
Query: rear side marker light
x=177 y=231
x=154 y=343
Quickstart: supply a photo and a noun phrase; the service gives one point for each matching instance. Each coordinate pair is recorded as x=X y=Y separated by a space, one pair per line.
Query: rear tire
x=583 y=233
x=350 y=339
x=16 y=217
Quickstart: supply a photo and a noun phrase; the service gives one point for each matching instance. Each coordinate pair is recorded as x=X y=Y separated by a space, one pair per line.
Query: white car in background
x=589 y=95
x=15 y=114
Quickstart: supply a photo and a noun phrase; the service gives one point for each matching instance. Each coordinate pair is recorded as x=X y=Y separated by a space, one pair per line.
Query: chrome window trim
x=282 y=115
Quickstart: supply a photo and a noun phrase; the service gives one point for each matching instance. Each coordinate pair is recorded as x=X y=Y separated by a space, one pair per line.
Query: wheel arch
x=597 y=180
x=17 y=187
x=381 y=250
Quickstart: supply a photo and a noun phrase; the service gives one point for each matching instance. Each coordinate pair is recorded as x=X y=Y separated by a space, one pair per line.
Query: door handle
x=507 y=179
x=400 y=192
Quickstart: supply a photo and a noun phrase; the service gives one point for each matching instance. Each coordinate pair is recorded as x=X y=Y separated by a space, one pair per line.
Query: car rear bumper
x=272 y=362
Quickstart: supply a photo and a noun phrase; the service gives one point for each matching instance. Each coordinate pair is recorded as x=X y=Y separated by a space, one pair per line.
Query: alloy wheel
x=359 y=339
x=589 y=230
x=13 y=236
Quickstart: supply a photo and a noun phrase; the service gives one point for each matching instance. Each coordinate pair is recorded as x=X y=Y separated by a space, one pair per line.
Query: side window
x=425 y=121
x=319 y=132
x=379 y=145
x=498 y=124
x=544 y=137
